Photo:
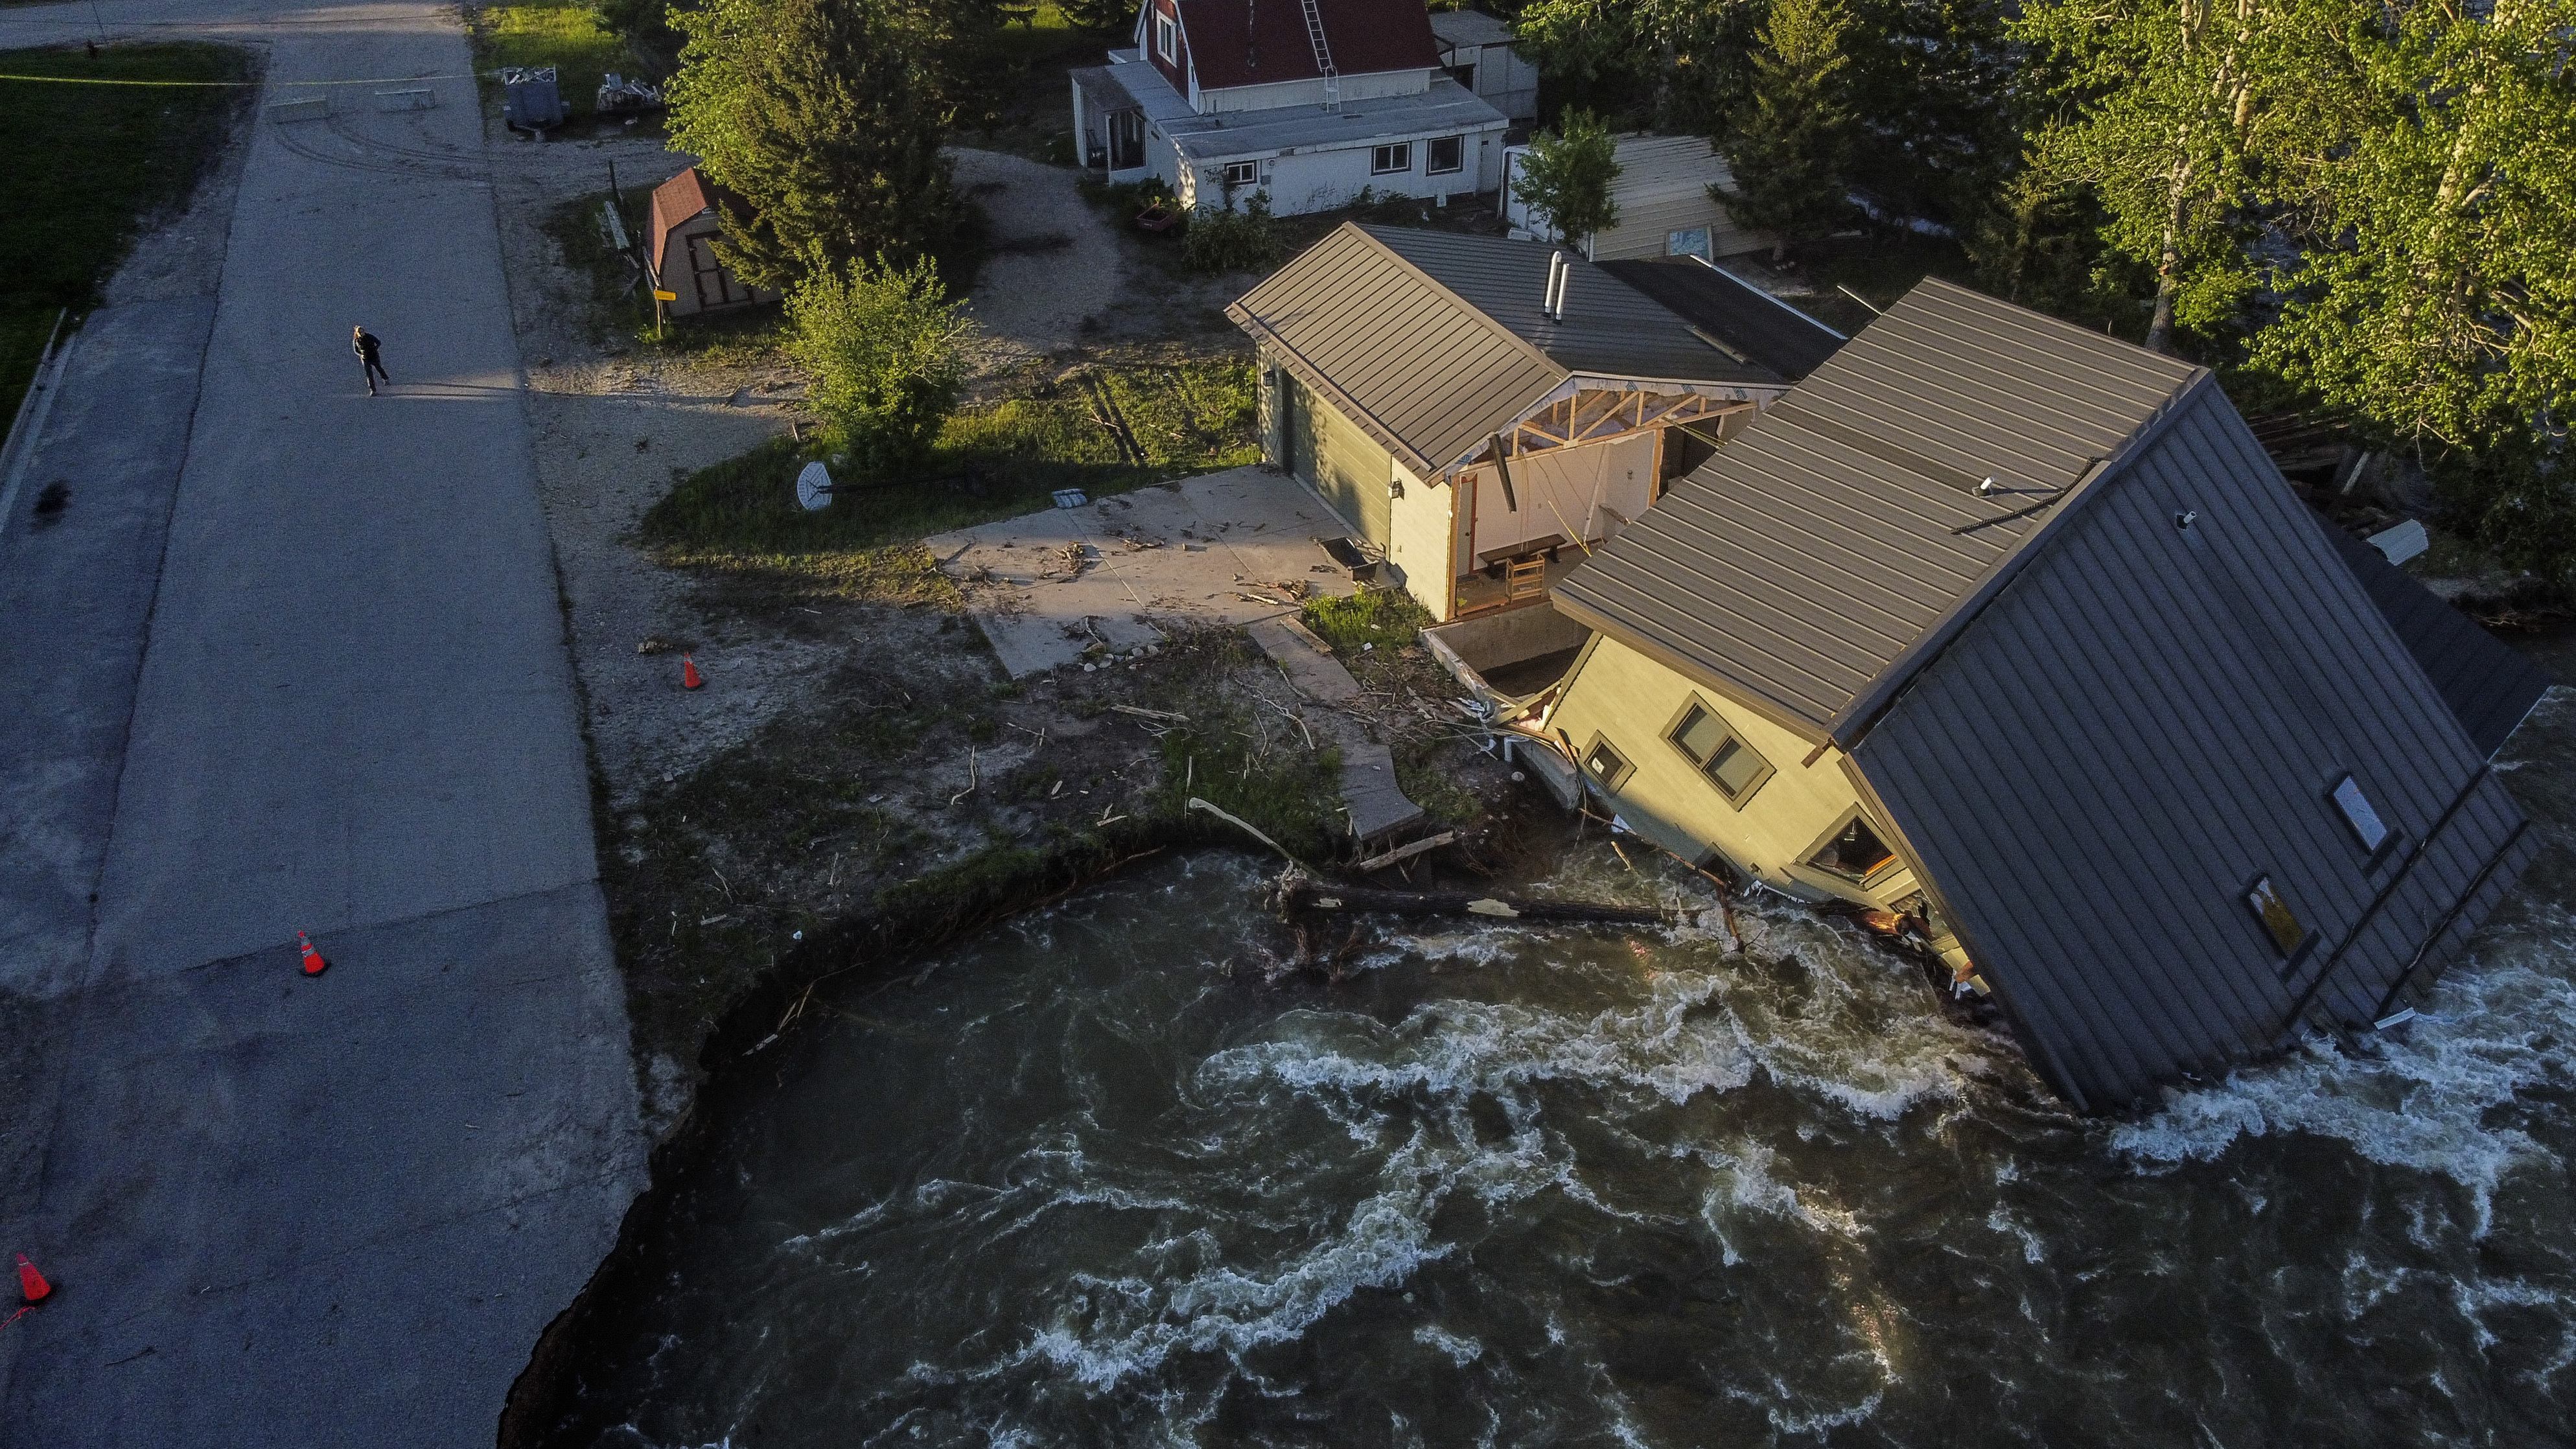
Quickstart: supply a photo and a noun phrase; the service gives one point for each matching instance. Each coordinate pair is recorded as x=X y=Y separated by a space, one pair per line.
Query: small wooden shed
x=686 y=222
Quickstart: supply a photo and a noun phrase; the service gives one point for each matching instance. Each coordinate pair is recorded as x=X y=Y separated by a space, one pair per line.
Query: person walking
x=364 y=343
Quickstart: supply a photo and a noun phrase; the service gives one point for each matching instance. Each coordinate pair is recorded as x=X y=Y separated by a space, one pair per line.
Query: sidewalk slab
x=1222 y=548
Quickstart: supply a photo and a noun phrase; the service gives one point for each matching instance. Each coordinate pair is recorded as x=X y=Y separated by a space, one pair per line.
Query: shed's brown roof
x=677 y=200
x=1363 y=35
x=1841 y=538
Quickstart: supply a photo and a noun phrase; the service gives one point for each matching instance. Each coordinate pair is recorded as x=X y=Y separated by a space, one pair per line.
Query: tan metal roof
x=1433 y=341
x=1840 y=539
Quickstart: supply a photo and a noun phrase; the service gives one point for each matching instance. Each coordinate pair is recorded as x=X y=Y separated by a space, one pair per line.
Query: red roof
x=677 y=200
x=1363 y=35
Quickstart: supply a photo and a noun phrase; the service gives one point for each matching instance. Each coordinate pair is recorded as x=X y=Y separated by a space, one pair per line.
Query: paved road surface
x=291 y=658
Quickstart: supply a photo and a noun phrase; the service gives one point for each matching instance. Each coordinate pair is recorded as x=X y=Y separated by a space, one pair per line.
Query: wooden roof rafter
x=1597 y=415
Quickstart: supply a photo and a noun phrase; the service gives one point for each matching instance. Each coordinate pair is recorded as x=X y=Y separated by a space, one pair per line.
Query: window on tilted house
x=1164 y=32
x=1398 y=157
x=1854 y=852
x=1605 y=764
x=1449 y=153
x=2357 y=813
x=2276 y=916
x=1734 y=767
x=1242 y=173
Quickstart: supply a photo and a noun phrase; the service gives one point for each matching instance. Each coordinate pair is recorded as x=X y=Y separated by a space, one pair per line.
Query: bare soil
x=856 y=753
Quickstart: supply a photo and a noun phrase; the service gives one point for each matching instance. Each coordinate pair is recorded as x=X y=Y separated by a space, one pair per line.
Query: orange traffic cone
x=31 y=1284
x=314 y=965
x=689 y=676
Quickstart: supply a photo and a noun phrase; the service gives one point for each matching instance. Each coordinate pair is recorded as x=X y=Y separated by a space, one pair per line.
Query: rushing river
x=1090 y=1181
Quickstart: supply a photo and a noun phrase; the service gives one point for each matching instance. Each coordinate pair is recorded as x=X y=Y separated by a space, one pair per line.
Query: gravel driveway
x=1055 y=261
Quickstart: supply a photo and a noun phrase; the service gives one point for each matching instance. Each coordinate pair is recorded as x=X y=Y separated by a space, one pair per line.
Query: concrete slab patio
x=1221 y=548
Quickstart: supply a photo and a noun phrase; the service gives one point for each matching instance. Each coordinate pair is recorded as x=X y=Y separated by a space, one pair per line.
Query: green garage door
x=1343 y=463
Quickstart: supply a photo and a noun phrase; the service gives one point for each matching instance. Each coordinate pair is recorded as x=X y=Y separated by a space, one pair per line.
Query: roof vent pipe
x=1554 y=303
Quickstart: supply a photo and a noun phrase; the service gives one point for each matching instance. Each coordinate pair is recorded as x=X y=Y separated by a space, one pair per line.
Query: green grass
x=570 y=37
x=88 y=164
x=1019 y=95
x=1187 y=418
x=1387 y=618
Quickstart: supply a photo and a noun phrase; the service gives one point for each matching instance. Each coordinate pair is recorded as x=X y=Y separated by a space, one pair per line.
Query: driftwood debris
x=1405 y=852
x=1161 y=714
x=1297 y=891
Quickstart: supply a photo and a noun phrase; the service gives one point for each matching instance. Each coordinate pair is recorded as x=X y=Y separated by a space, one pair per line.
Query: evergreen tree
x=1568 y=174
x=825 y=116
x=1115 y=17
x=1790 y=149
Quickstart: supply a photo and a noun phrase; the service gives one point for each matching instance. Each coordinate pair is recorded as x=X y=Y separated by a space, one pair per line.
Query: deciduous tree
x=1568 y=174
x=887 y=347
x=2162 y=101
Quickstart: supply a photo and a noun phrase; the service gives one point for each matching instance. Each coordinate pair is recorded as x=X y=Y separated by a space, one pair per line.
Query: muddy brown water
x=1092 y=1182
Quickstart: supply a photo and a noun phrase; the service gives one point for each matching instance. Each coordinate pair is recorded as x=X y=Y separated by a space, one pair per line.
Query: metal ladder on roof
x=1323 y=55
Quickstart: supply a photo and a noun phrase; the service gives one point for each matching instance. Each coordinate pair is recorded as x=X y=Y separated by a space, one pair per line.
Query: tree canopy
x=1568 y=174
x=887 y=347
x=1790 y=149
x=826 y=118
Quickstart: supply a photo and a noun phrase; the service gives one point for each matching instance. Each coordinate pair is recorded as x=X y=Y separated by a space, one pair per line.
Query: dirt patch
x=1054 y=267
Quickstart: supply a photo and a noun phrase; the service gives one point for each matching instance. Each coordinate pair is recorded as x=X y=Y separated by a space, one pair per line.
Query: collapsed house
x=1480 y=411
x=2014 y=629
x=1308 y=104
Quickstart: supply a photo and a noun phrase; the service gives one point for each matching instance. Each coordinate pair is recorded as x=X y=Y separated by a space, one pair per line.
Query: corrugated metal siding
x=1808 y=556
x=2147 y=719
x=2489 y=686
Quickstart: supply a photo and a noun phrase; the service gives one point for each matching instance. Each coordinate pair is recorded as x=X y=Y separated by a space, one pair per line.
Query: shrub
x=1387 y=618
x=1231 y=241
x=888 y=352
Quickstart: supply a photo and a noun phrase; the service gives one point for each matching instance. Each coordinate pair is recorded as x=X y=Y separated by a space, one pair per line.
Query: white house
x=1476 y=52
x=1311 y=101
x=1665 y=207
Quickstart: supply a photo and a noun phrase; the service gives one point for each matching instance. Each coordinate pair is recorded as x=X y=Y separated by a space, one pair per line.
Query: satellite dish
x=814 y=486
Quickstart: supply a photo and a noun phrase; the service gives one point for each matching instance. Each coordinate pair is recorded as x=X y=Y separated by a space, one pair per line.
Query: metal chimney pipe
x=1553 y=300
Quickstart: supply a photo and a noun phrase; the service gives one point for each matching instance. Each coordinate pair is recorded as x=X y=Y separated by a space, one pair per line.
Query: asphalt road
x=289 y=658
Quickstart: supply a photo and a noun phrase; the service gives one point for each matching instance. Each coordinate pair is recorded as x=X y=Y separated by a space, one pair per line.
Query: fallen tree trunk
x=1299 y=892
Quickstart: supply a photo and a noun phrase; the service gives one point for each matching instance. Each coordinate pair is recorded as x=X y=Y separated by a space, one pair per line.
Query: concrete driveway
x=1221 y=548
x=297 y=663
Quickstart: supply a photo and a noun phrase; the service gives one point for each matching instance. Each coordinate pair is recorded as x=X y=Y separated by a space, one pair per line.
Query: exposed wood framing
x=1598 y=413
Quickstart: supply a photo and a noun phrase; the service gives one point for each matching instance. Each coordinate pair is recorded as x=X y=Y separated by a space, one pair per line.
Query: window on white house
x=1449 y=153
x=1385 y=159
x=1243 y=173
x=1164 y=33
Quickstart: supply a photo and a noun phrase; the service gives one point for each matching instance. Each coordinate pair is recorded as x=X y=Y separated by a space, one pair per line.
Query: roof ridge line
x=1855 y=721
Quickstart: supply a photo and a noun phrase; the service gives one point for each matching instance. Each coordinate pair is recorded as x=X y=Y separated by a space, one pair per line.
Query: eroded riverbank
x=1086 y=1179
